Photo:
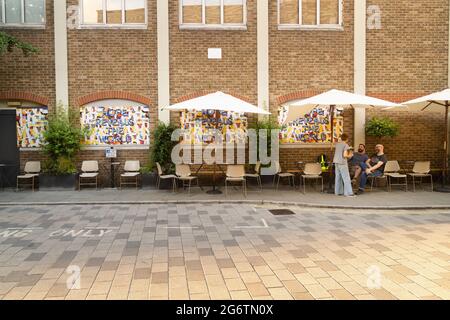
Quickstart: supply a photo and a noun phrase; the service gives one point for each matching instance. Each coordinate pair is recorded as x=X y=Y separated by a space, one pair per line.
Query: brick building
x=148 y=54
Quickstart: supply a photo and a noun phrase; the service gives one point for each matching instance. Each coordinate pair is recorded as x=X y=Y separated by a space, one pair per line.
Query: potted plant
x=160 y=152
x=268 y=124
x=382 y=127
x=62 y=142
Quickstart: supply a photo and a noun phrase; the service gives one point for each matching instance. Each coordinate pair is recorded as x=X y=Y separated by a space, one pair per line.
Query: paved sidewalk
x=221 y=251
x=376 y=199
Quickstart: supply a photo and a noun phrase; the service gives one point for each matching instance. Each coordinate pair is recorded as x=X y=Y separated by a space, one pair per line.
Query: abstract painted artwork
x=200 y=126
x=313 y=127
x=31 y=123
x=124 y=125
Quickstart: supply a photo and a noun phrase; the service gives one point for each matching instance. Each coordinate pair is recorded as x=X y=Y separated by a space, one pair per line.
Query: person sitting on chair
x=355 y=162
x=373 y=167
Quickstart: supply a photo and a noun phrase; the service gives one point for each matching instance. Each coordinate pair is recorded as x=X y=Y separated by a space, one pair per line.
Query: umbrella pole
x=330 y=166
x=214 y=190
x=444 y=175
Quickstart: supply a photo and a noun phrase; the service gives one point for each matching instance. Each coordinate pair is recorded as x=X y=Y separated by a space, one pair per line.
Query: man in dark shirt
x=373 y=167
x=355 y=162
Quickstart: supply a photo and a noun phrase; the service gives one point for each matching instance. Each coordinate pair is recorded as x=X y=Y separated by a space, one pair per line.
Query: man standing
x=343 y=185
x=355 y=162
x=373 y=167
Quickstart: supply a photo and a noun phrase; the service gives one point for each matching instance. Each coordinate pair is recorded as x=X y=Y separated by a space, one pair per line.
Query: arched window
x=31 y=122
x=116 y=122
x=313 y=127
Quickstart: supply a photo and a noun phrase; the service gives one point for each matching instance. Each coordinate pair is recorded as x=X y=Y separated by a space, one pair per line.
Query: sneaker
x=360 y=191
x=351 y=196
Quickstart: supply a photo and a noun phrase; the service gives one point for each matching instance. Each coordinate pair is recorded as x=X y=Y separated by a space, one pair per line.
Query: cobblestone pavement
x=226 y=251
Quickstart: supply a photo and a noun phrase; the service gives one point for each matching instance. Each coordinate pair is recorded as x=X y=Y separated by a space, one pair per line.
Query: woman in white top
x=343 y=152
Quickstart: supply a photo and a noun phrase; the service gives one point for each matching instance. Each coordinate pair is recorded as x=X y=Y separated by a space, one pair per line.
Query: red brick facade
x=33 y=74
x=406 y=58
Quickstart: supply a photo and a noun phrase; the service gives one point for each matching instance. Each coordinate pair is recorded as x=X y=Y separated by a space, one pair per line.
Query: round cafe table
x=214 y=189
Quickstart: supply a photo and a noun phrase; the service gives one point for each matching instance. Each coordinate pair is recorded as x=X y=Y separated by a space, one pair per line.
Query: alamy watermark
x=374 y=277
x=235 y=151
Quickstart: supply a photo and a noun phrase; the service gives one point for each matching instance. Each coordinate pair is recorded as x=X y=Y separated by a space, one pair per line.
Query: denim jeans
x=342 y=184
x=364 y=175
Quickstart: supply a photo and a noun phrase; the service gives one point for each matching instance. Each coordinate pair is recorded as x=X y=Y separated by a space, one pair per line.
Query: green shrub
x=267 y=124
x=162 y=148
x=8 y=43
x=62 y=141
x=382 y=127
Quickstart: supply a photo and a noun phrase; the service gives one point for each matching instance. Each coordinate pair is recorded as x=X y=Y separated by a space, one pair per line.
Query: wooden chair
x=236 y=173
x=312 y=171
x=31 y=173
x=162 y=176
x=421 y=170
x=280 y=175
x=256 y=175
x=392 y=171
x=89 y=172
x=131 y=173
x=184 y=174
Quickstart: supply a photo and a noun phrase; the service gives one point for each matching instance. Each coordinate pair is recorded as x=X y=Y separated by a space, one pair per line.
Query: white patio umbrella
x=333 y=99
x=435 y=102
x=218 y=101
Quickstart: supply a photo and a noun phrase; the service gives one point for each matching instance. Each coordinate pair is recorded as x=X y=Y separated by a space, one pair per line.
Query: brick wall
x=407 y=58
x=310 y=59
x=304 y=63
x=121 y=62
x=290 y=156
x=421 y=137
x=34 y=73
x=190 y=69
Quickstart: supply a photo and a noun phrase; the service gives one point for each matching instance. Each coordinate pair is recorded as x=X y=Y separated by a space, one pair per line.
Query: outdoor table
x=214 y=189
x=298 y=171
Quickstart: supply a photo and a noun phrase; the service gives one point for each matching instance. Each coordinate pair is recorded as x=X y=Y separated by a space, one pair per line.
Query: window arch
x=116 y=122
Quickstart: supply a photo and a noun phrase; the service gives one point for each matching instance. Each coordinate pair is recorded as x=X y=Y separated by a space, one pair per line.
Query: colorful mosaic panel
x=127 y=125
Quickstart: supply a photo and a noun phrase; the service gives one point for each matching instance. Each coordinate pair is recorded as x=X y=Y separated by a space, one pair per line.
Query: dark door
x=9 y=152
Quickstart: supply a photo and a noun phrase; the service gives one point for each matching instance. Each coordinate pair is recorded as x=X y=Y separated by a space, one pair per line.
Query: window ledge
x=113 y=26
x=310 y=28
x=28 y=149
x=116 y=147
x=213 y=27
x=304 y=145
x=23 y=26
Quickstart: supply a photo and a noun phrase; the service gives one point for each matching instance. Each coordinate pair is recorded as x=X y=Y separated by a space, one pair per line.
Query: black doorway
x=9 y=152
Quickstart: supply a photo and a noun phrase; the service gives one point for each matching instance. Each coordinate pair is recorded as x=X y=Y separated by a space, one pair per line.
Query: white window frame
x=22 y=24
x=204 y=25
x=105 y=25
x=317 y=26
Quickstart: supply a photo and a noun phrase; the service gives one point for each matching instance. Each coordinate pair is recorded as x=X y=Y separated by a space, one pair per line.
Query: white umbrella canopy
x=435 y=102
x=218 y=101
x=335 y=98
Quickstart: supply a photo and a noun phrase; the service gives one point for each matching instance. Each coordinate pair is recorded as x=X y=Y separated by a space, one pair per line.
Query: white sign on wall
x=215 y=53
